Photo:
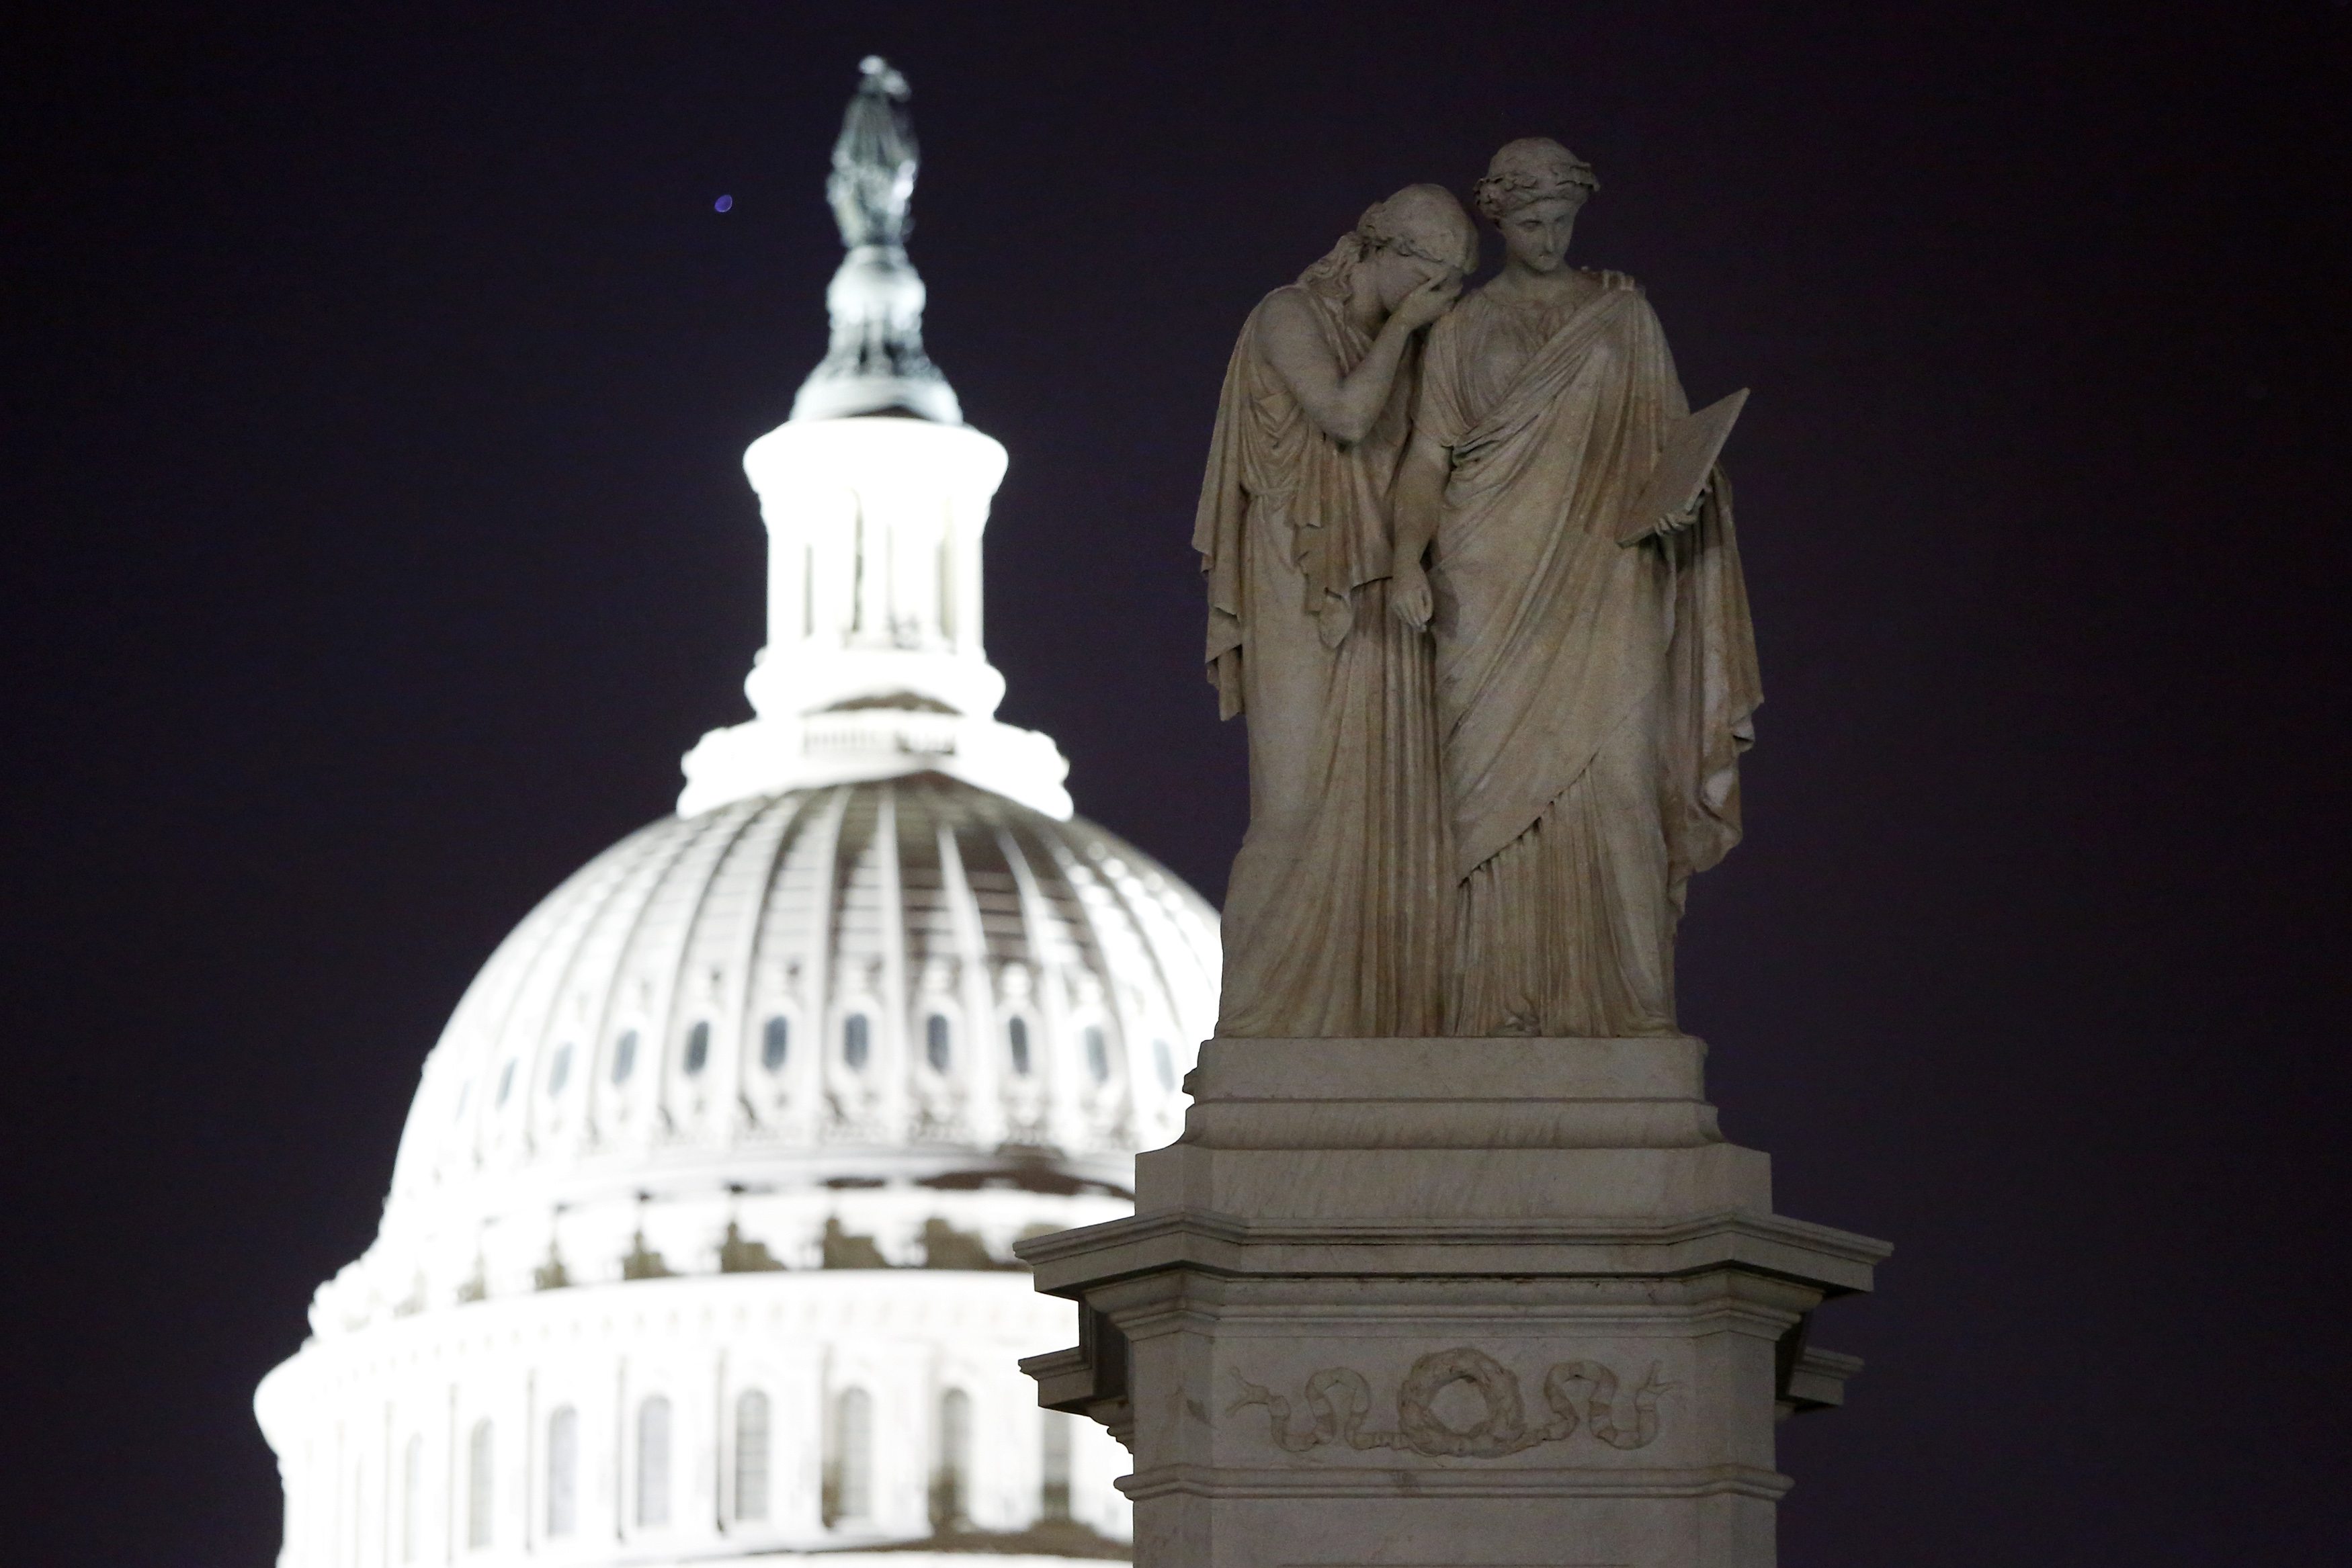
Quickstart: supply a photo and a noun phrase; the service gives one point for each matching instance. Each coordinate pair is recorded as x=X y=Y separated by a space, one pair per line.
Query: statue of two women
x=1489 y=743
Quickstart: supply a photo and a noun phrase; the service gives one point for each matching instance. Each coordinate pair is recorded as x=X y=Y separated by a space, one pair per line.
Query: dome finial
x=875 y=362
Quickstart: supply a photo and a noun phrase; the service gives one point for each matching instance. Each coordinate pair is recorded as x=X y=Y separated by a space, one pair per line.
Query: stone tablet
x=1693 y=443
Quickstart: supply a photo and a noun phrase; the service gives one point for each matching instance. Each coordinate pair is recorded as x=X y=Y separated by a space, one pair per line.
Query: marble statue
x=1398 y=1297
x=1338 y=905
x=1593 y=696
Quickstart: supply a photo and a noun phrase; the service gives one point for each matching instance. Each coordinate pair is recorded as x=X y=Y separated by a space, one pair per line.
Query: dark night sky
x=377 y=542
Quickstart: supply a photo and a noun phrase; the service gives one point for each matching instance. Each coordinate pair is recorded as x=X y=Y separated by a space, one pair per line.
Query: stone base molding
x=1395 y=1303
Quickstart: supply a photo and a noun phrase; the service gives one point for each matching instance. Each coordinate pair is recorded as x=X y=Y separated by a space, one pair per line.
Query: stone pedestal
x=1423 y=1302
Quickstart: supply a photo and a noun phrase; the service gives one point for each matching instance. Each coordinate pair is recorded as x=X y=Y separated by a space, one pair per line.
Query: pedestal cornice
x=1416 y=1301
x=1069 y=1262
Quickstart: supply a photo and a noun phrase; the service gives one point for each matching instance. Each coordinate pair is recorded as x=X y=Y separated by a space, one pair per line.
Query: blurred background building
x=698 y=1246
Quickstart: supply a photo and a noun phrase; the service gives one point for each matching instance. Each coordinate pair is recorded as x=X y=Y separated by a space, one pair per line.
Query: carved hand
x=1408 y=596
x=1428 y=302
x=1676 y=522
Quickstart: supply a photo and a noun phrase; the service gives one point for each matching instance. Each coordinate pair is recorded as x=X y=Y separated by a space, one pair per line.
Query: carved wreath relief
x=1339 y=1400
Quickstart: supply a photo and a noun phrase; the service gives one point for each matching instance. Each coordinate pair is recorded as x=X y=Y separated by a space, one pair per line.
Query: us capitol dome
x=699 y=1241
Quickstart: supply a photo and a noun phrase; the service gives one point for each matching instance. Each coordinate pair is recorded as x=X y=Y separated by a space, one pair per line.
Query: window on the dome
x=1054 y=1500
x=775 y=1043
x=936 y=1049
x=751 y=1455
x=848 y=1487
x=624 y=1056
x=477 y=1486
x=854 y=1042
x=652 y=1462
x=697 y=1048
x=561 y=1070
x=1164 y=1061
x=562 y=1471
x=950 y=1485
x=1016 y=1039
x=1098 y=1055
x=505 y=1081
x=465 y=1093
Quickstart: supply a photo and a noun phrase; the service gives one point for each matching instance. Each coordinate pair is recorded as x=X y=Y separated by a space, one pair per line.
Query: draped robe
x=1338 y=906
x=1593 y=698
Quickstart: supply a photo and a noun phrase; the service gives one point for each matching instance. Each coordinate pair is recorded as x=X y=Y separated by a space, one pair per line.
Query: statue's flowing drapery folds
x=1592 y=698
x=1452 y=1262
x=1337 y=906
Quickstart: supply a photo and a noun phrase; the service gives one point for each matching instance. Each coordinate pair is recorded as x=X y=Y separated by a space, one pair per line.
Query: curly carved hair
x=1532 y=169
x=1421 y=220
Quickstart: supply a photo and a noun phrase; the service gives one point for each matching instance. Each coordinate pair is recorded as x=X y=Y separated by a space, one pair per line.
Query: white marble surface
x=1418 y=1302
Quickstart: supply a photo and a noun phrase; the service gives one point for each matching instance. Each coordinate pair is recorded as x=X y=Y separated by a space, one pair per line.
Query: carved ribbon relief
x=1339 y=1400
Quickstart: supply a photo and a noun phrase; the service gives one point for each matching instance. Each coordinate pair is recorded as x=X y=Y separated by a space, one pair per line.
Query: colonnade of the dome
x=677 y=1419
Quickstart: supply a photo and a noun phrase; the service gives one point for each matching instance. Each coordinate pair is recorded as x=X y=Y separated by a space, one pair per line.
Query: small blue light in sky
x=724 y=203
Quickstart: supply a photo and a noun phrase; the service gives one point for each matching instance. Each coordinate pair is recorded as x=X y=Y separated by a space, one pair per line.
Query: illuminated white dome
x=872 y=1004
x=699 y=1243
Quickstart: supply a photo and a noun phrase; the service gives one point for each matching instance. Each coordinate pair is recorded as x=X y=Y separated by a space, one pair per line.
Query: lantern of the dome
x=875 y=494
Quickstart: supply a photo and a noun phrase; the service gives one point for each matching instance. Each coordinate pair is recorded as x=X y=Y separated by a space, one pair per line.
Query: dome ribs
x=672 y=916
x=894 y=1065
x=927 y=929
x=484 y=1018
x=729 y=944
x=1113 y=929
x=940 y=1093
x=894 y=898
x=602 y=959
x=541 y=973
x=976 y=1062
x=857 y=959
x=995 y=890
x=627 y=897
x=552 y=971
x=1152 y=937
x=1000 y=980
x=760 y=987
x=1104 y=1089
x=801 y=915
x=1046 y=998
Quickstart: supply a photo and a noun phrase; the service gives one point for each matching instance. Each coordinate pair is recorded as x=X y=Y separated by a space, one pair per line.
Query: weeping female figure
x=1337 y=912
x=1593 y=696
